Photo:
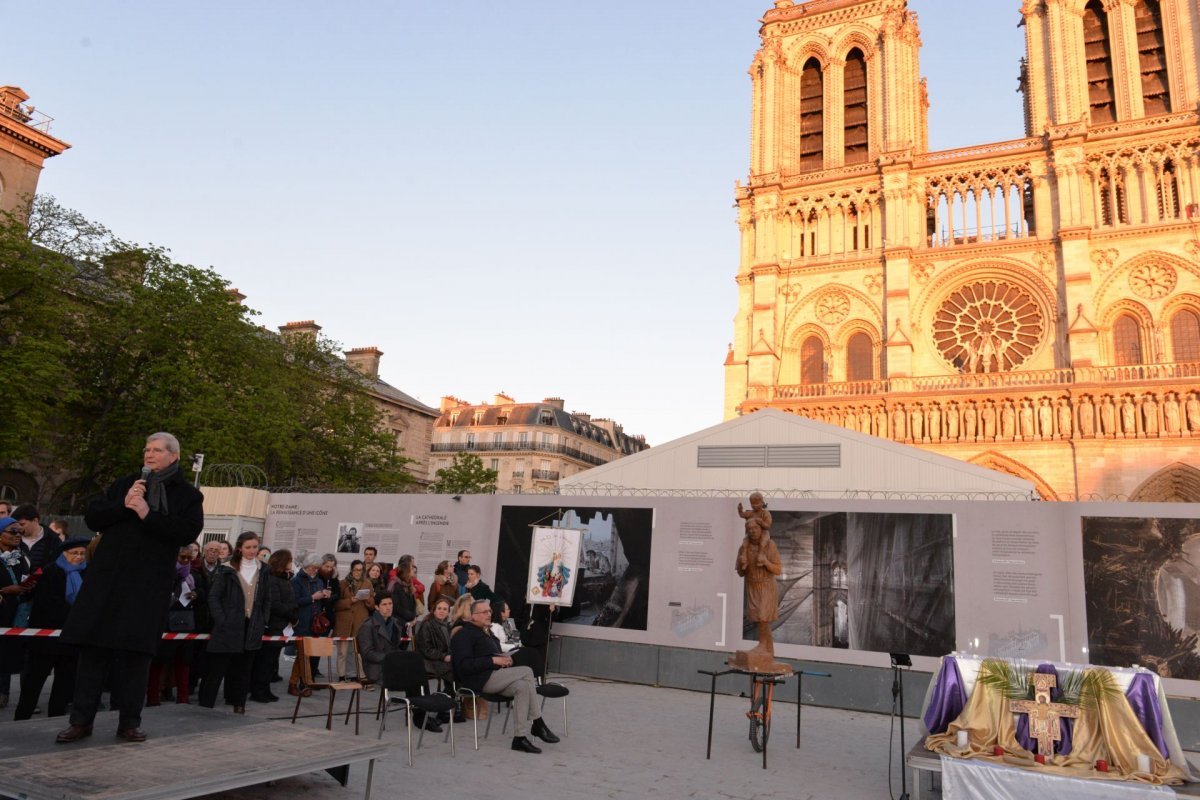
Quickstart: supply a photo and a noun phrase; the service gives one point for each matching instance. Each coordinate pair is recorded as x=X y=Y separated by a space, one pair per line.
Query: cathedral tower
x=1031 y=305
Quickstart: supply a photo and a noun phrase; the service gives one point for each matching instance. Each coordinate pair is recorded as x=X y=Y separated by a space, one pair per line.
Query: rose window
x=1152 y=281
x=988 y=326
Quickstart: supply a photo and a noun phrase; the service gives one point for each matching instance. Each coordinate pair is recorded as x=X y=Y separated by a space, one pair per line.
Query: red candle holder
x=1039 y=758
x=1101 y=765
x=997 y=750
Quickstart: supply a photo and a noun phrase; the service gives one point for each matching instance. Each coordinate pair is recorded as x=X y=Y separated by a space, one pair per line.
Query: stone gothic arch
x=993 y=460
x=1174 y=483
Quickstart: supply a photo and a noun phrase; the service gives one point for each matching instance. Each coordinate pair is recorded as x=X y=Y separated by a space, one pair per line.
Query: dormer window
x=545 y=417
x=453 y=417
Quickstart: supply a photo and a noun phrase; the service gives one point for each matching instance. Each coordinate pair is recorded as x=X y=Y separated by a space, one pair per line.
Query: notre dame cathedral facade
x=1031 y=305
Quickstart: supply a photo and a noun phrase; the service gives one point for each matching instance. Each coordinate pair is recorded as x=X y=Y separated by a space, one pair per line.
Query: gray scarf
x=156 y=492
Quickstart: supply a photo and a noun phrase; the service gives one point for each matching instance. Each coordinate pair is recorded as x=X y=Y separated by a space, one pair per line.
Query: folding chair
x=323 y=647
x=404 y=670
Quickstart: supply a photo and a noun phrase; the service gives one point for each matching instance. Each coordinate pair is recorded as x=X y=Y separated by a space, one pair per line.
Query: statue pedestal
x=756 y=660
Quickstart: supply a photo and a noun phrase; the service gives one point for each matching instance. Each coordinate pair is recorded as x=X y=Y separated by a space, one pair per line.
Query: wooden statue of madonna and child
x=758 y=562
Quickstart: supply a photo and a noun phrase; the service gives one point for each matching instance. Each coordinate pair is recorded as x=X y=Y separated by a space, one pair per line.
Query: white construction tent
x=784 y=454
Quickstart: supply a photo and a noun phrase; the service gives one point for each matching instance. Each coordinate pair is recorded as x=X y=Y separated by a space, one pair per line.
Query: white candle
x=962 y=739
x=1143 y=763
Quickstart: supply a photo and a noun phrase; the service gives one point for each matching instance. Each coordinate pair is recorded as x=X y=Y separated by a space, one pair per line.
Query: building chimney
x=365 y=360
x=12 y=99
x=557 y=402
x=305 y=327
x=450 y=402
x=126 y=265
x=236 y=296
x=501 y=399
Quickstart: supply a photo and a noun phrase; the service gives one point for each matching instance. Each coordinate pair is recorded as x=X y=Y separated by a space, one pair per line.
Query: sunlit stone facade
x=1029 y=305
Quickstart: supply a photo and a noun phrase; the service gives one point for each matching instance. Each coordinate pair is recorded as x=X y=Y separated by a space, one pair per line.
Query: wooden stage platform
x=190 y=752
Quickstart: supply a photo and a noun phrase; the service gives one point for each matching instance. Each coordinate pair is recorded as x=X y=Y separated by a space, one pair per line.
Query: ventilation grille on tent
x=770 y=455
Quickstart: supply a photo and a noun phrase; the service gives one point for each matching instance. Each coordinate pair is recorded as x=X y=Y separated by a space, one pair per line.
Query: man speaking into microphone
x=123 y=602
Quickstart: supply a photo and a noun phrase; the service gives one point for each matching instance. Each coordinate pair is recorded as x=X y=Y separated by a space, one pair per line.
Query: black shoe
x=260 y=698
x=443 y=717
x=73 y=733
x=432 y=725
x=272 y=697
x=131 y=734
x=276 y=678
x=459 y=718
x=540 y=730
x=524 y=745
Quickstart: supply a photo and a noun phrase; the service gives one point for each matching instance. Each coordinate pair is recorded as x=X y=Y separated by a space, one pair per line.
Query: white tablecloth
x=970 y=779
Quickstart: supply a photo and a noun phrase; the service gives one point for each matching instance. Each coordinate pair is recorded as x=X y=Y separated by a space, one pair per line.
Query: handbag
x=320 y=624
x=181 y=620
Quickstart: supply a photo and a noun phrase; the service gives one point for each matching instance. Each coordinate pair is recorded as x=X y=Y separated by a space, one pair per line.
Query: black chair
x=405 y=670
x=554 y=691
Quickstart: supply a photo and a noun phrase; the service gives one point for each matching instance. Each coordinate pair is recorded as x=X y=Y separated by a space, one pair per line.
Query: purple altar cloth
x=949 y=698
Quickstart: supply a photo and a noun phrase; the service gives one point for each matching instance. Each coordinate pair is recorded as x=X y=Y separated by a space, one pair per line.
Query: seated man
x=379 y=635
x=481 y=667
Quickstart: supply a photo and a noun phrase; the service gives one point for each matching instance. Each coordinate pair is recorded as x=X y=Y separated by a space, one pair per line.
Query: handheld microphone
x=146 y=471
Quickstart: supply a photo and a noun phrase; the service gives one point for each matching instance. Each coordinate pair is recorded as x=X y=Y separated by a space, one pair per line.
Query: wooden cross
x=1044 y=715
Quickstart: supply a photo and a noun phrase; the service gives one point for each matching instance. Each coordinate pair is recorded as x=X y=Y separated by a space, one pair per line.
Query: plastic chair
x=321 y=648
x=404 y=670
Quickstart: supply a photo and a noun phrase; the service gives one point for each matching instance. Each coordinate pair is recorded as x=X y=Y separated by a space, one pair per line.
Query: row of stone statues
x=1029 y=418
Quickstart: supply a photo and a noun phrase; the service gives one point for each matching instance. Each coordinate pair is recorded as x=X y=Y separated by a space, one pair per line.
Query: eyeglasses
x=487 y=611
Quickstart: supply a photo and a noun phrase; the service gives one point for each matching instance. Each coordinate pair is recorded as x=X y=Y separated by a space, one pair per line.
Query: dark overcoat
x=12 y=649
x=50 y=608
x=227 y=607
x=130 y=577
x=281 y=604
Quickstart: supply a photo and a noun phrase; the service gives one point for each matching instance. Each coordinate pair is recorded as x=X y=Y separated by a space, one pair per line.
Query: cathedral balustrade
x=983 y=202
x=1149 y=183
x=1150 y=402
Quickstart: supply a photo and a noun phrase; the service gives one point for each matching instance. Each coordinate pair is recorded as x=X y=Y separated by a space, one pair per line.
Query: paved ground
x=625 y=741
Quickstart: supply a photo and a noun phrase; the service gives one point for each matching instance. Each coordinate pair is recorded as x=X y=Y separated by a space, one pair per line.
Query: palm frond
x=1000 y=676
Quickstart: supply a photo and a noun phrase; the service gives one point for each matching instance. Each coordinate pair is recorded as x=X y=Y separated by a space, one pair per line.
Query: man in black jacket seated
x=379 y=635
x=479 y=666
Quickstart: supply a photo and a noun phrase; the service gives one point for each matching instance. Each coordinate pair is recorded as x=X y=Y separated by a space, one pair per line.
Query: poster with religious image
x=611 y=593
x=1142 y=588
x=553 y=565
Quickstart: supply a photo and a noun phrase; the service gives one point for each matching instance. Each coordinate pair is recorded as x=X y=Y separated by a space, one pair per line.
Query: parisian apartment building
x=531 y=446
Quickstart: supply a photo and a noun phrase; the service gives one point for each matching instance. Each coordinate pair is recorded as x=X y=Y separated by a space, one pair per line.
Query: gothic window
x=812 y=361
x=1156 y=94
x=1105 y=211
x=1168 y=191
x=860 y=358
x=1099 y=63
x=1185 y=335
x=855 y=94
x=1127 y=341
x=988 y=326
x=812 y=117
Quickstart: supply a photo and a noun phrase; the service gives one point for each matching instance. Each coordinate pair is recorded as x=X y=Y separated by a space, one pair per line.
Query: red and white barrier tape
x=44 y=633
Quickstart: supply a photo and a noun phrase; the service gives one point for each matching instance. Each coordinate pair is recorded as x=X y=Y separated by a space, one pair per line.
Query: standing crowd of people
x=113 y=596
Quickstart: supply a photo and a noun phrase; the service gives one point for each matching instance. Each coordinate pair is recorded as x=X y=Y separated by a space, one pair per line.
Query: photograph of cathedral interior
x=881 y=582
x=1032 y=305
x=1143 y=593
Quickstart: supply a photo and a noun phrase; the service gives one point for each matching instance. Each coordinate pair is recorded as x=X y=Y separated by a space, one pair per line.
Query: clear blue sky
x=532 y=197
